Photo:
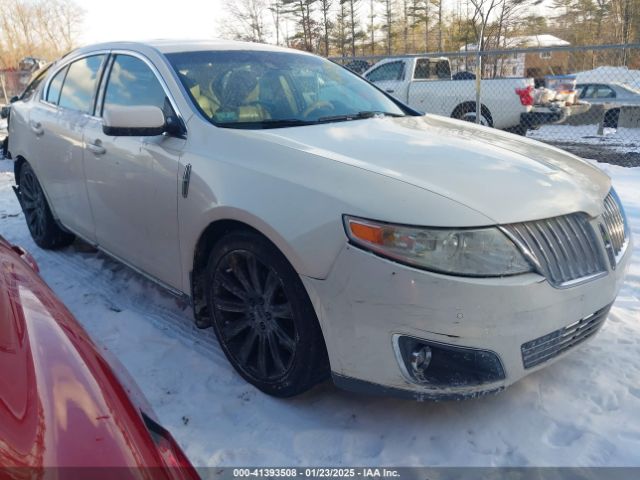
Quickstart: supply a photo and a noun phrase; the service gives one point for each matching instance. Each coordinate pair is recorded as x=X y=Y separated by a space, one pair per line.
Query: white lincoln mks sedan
x=319 y=226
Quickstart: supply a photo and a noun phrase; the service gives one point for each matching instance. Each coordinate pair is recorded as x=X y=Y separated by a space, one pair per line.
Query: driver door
x=133 y=181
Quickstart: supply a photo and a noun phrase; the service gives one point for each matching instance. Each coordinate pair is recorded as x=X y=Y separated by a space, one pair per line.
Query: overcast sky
x=107 y=20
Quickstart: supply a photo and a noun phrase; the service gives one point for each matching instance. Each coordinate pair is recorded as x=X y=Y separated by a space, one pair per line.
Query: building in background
x=534 y=64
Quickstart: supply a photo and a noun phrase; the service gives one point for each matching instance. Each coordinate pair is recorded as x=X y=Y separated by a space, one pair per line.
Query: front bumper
x=367 y=301
x=544 y=115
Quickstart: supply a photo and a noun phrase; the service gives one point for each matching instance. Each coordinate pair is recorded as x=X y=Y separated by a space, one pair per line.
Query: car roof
x=173 y=46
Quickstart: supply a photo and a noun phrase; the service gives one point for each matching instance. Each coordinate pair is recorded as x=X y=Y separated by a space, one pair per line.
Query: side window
x=422 y=69
x=53 y=94
x=79 y=89
x=589 y=92
x=132 y=82
x=605 y=92
x=443 y=69
x=388 y=71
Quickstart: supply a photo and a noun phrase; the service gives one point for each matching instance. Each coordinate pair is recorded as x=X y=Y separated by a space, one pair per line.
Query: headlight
x=482 y=252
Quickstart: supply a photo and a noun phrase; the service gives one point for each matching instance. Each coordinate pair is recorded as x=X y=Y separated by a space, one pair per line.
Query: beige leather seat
x=240 y=93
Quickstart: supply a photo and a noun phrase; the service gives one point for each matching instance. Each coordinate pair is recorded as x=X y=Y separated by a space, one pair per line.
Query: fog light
x=420 y=360
x=444 y=365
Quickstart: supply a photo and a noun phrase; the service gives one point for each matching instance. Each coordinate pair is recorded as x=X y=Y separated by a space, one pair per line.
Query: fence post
x=478 y=86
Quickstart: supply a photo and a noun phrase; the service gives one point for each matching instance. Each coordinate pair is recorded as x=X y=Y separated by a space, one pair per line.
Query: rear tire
x=467 y=112
x=44 y=229
x=611 y=118
x=262 y=316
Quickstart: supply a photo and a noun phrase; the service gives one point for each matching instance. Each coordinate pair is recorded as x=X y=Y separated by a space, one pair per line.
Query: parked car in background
x=62 y=403
x=425 y=83
x=612 y=94
x=358 y=66
x=318 y=224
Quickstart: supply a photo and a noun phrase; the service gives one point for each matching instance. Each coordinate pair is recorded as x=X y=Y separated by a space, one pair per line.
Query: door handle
x=389 y=90
x=96 y=148
x=36 y=127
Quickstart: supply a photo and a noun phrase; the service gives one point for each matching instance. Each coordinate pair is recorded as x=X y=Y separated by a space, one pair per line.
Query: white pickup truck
x=425 y=84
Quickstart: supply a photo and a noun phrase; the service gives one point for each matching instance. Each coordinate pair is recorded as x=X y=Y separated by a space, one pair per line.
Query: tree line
x=44 y=29
x=385 y=27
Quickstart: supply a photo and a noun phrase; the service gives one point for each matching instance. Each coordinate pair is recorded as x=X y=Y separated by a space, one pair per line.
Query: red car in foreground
x=61 y=403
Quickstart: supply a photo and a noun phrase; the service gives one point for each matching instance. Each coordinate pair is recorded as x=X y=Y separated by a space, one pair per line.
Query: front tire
x=44 y=229
x=263 y=317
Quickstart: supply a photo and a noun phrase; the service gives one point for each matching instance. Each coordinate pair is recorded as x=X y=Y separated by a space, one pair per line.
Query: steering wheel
x=318 y=106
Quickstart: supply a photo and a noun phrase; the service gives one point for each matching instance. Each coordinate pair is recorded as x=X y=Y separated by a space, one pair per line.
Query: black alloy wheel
x=33 y=202
x=44 y=229
x=263 y=317
x=255 y=315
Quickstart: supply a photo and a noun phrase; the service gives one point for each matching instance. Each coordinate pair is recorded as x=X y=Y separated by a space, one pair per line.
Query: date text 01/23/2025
x=316 y=472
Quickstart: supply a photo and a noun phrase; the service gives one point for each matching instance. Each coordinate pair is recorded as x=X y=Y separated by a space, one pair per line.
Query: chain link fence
x=584 y=99
x=12 y=83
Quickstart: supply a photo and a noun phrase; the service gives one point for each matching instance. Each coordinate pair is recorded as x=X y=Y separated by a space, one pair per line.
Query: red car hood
x=60 y=403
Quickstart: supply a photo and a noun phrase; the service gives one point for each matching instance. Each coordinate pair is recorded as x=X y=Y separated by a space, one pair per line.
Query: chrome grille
x=563 y=249
x=614 y=226
x=548 y=346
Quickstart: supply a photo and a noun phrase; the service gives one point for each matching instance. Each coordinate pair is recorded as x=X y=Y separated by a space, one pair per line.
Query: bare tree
x=388 y=22
x=420 y=12
x=301 y=11
x=509 y=16
x=276 y=12
x=37 y=28
x=481 y=15
x=352 y=12
x=325 y=7
x=246 y=20
x=341 y=28
x=438 y=3
x=372 y=26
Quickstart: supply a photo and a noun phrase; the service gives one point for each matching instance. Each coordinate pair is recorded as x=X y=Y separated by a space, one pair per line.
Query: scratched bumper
x=366 y=301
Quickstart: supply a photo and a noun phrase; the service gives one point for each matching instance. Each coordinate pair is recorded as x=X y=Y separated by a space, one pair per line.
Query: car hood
x=502 y=176
x=60 y=403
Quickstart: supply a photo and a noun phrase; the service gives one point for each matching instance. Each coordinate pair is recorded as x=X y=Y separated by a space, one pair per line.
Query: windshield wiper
x=270 y=123
x=358 y=116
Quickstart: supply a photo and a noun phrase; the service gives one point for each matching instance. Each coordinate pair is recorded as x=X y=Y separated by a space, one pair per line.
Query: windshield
x=631 y=90
x=259 y=89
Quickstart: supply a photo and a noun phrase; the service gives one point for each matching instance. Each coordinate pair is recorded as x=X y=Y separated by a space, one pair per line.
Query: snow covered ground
x=582 y=411
x=621 y=139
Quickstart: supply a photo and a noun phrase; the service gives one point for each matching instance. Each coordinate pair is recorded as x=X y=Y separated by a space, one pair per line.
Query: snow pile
x=524 y=41
x=621 y=139
x=581 y=411
x=610 y=74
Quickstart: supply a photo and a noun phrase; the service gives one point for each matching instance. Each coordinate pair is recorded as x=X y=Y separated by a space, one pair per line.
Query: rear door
x=421 y=94
x=133 y=181
x=56 y=125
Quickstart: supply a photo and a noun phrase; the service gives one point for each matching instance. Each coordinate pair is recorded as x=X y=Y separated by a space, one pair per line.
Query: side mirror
x=14 y=99
x=138 y=121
